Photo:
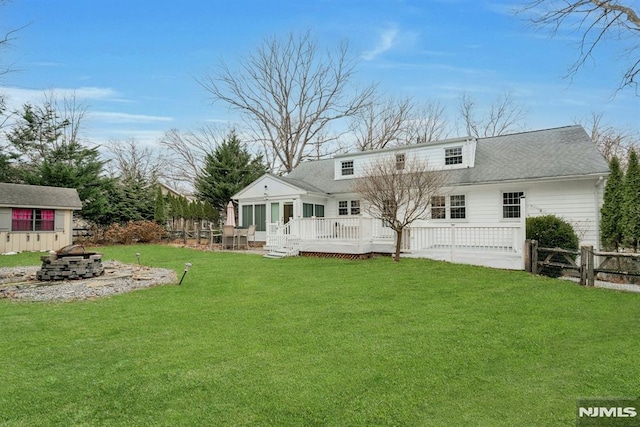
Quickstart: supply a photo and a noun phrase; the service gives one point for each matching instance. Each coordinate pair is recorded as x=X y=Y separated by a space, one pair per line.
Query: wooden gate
x=618 y=263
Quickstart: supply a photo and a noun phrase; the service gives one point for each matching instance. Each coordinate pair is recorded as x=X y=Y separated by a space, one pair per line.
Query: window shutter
x=5 y=219
x=59 y=220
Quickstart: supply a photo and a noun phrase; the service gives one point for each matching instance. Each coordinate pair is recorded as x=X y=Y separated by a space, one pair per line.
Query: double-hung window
x=457 y=207
x=347 y=167
x=511 y=204
x=400 y=158
x=453 y=156
x=453 y=207
x=349 y=207
x=438 y=207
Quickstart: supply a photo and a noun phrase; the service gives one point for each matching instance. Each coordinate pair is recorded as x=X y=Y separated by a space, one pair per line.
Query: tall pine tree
x=226 y=171
x=631 y=203
x=611 y=214
x=160 y=210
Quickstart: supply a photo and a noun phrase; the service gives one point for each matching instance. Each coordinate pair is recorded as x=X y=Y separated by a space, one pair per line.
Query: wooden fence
x=586 y=262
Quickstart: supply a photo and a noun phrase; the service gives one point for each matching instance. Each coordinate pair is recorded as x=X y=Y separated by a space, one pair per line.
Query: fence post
x=526 y=253
x=590 y=267
x=534 y=256
x=584 y=264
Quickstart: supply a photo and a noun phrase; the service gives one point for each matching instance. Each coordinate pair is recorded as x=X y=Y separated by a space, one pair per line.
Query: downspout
x=597 y=197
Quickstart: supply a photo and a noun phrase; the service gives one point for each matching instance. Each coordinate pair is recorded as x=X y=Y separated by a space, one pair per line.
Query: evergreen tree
x=72 y=165
x=210 y=214
x=611 y=212
x=160 y=210
x=43 y=150
x=631 y=202
x=226 y=171
x=127 y=204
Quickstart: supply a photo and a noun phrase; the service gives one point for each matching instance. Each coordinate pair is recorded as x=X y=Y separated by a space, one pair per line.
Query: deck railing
x=506 y=238
x=503 y=238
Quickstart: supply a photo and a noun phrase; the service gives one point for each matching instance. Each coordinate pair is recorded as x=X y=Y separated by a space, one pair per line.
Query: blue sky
x=135 y=62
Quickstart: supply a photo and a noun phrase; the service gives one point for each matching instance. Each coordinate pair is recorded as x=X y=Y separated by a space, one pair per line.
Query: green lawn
x=252 y=341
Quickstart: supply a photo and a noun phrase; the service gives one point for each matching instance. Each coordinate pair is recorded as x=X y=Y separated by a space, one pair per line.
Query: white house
x=36 y=218
x=492 y=185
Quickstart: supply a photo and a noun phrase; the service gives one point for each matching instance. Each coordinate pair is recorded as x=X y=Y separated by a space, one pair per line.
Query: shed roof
x=35 y=196
x=544 y=154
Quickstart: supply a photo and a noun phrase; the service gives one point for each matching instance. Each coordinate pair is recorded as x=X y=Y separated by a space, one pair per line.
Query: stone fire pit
x=70 y=262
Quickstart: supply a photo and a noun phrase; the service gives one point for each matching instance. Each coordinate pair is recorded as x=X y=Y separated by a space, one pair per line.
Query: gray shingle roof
x=550 y=153
x=34 y=196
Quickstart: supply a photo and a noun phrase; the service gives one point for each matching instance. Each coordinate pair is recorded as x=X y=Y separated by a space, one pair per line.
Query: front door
x=287 y=211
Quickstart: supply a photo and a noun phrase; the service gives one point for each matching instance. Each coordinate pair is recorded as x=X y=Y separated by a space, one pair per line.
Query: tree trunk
x=396 y=256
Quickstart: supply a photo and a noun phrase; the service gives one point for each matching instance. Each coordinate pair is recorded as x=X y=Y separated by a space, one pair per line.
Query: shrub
x=552 y=232
x=134 y=231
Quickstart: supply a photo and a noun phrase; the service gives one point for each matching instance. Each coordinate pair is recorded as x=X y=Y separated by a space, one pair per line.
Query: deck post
x=453 y=242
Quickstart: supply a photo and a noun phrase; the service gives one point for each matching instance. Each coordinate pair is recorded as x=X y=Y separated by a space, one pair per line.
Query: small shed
x=36 y=218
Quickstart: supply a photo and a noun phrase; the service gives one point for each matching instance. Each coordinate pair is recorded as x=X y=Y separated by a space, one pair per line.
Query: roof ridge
x=532 y=131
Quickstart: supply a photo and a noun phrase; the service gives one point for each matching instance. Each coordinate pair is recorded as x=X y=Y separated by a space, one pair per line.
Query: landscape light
x=187 y=266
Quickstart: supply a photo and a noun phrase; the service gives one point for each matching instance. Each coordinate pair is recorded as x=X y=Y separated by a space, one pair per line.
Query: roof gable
x=269 y=185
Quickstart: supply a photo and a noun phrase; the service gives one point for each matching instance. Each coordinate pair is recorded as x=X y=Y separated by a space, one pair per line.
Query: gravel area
x=19 y=283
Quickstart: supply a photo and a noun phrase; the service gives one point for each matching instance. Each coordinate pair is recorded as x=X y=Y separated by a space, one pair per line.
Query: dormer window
x=400 y=161
x=347 y=168
x=453 y=156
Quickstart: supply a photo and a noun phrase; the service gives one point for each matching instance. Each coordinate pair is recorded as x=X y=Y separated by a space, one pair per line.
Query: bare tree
x=428 y=123
x=503 y=116
x=289 y=94
x=398 y=195
x=73 y=113
x=595 y=21
x=187 y=151
x=132 y=162
x=381 y=123
x=610 y=141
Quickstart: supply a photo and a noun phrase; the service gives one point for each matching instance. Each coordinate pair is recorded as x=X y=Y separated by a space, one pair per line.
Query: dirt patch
x=19 y=283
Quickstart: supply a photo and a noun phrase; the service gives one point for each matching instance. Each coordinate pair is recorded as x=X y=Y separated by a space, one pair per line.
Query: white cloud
x=16 y=96
x=114 y=117
x=386 y=41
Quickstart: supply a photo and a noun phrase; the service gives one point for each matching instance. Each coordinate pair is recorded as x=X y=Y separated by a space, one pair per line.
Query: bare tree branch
x=595 y=20
x=289 y=94
x=428 y=123
x=611 y=141
x=503 y=116
x=132 y=162
x=187 y=152
x=382 y=123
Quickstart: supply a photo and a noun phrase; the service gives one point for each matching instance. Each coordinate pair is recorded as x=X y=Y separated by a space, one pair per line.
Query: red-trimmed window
x=33 y=219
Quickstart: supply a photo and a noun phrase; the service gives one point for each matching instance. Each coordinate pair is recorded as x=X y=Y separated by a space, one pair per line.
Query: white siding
x=268 y=187
x=576 y=201
x=433 y=154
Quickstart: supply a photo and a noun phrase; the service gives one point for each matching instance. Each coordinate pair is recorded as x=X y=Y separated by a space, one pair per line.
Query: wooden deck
x=499 y=246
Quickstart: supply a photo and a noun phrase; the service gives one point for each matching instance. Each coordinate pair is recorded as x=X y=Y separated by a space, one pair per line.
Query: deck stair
x=281 y=243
